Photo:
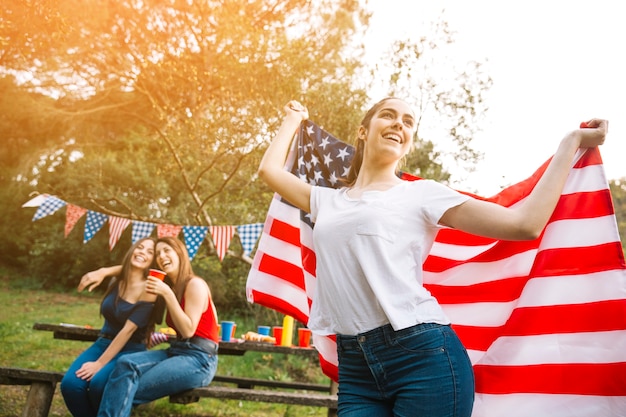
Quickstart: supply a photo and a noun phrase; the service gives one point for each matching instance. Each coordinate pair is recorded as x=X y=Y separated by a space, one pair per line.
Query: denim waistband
x=382 y=334
x=207 y=345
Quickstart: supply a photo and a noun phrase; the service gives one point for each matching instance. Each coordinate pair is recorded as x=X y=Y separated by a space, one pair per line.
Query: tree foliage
x=159 y=110
x=618 y=193
x=451 y=102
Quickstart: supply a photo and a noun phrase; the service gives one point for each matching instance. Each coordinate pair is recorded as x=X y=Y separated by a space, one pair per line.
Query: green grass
x=23 y=347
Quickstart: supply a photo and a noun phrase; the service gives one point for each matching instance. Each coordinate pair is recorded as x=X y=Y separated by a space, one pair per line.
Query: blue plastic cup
x=263 y=330
x=227 y=330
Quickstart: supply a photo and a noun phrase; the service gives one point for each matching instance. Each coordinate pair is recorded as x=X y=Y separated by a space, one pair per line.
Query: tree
x=160 y=110
x=450 y=102
x=193 y=87
x=618 y=193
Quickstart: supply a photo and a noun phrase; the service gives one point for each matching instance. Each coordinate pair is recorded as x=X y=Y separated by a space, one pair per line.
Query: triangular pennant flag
x=36 y=201
x=72 y=215
x=94 y=222
x=194 y=235
x=222 y=235
x=117 y=225
x=168 y=230
x=49 y=206
x=141 y=230
x=248 y=235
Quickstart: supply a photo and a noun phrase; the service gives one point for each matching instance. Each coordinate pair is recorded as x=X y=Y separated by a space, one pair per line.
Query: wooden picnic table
x=236 y=347
x=327 y=396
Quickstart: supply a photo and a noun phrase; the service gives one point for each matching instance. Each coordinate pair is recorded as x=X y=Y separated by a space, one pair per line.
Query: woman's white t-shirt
x=369 y=255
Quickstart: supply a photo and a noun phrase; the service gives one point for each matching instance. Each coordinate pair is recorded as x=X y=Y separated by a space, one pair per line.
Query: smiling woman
x=129 y=320
x=371 y=239
x=191 y=359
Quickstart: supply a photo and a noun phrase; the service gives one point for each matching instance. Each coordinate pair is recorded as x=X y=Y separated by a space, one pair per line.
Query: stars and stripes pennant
x=117 y=225
x=72 y=215
x=194 y=236
x=94 y=222
x=49 y=206
x=544 y=321
x=222 y=235
x=248 y=235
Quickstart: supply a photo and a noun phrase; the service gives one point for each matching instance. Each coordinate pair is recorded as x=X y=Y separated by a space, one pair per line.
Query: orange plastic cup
x=157 y=273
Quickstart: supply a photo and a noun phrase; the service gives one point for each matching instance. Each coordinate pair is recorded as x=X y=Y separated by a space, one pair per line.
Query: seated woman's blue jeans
x=82 y=397
x=421 y=371
x=146 y=376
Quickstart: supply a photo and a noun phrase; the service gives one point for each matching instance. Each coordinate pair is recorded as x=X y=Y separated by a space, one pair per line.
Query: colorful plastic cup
x=278 y=334
x=228 y=328
x=263 y=330
x=157 y=273
x=304 y=337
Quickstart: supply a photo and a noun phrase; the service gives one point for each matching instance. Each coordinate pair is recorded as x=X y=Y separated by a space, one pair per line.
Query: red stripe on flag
x=309 y=261
x=497 y=252
x=591 y=157
x=279 y=304
x=584 y=206
x=570 y=378
x=502 y=290
x=285 y=232
x=529 y=321
x=577 y=261
x=284 y=270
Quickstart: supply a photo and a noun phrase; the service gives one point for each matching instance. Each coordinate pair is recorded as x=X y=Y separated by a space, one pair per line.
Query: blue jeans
x=82 y=397
x=146 y=376
x=420 y=371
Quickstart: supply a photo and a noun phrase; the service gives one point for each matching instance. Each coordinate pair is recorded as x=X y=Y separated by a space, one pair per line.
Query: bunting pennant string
x=72 y=215
x=141 y=230
x=48 y=207
x=168 y=230
x=94 y=222
x=193 y=235
x=36 y=201
x=117 y=225
x=248 y=235
x=222 y=235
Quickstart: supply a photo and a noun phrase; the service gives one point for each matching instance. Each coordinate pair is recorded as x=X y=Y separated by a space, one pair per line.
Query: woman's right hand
x=294 y=108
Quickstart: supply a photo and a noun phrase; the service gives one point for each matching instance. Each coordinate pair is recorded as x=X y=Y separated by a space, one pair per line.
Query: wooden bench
x=42 y=387
x=245 y=391
x=271 y=396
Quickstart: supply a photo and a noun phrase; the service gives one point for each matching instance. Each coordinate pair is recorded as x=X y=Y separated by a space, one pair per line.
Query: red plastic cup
x=304 y=337
x=278 y=334
x=158 y=274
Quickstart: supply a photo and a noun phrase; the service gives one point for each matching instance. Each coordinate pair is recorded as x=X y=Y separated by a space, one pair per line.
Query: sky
x=553 y=63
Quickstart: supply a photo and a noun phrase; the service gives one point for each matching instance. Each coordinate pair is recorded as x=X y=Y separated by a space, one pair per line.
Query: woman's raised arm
x=526 y=221
x=271 y=170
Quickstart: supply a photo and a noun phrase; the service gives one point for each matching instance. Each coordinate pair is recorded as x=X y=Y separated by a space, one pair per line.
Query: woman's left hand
x=88 y=370
x=594 y=133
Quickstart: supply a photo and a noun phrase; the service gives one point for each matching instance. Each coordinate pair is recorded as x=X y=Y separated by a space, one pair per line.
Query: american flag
x=544 y=321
